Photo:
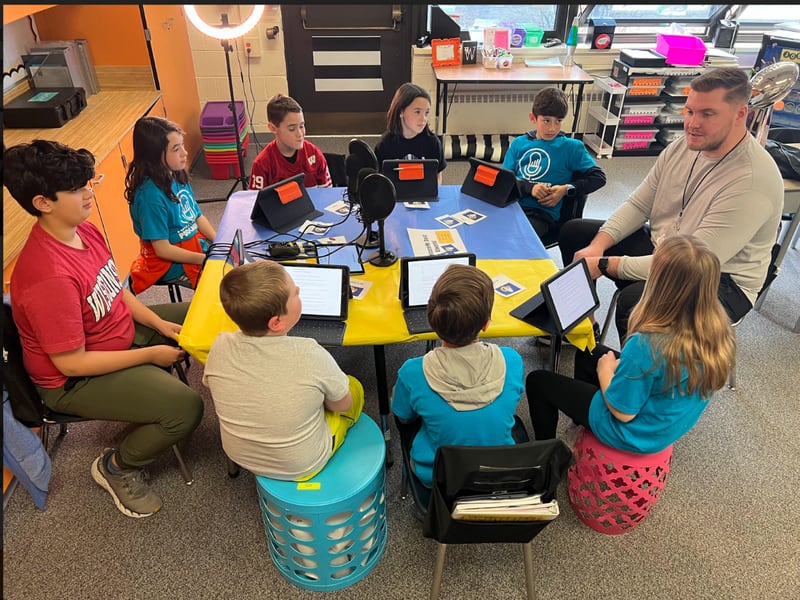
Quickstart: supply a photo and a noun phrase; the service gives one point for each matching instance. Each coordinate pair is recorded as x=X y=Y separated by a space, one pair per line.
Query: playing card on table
x=469 y=216
x=336 y=240
x=419 y=204
x=315 y=227
x=359 y=288
x=506 y=287
x=340 y=207
x=448 y=221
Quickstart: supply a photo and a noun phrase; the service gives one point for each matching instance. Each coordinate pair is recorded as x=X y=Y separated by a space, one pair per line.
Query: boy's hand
x=165 y=356
x=168 y=329
x=548 y=195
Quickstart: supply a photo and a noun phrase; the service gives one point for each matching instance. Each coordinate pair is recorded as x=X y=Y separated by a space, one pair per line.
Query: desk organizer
x=686 y=50
x=329 y=532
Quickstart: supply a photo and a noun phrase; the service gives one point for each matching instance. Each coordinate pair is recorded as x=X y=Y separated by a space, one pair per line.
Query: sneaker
x=131 y=494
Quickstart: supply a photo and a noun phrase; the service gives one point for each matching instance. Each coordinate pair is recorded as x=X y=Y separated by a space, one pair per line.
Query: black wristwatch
x=602 y=264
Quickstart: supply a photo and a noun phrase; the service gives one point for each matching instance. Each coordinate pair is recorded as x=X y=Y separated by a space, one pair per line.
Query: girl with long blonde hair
x=679 y=351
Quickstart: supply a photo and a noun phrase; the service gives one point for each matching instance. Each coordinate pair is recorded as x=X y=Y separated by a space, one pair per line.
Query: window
x=474 y=17
x=769 y=14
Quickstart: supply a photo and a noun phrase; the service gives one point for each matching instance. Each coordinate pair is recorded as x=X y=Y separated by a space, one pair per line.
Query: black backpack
x=786 y=157
x=26 y=403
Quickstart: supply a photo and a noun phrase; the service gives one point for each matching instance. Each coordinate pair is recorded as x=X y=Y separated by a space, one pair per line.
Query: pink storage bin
x=636 y=134
x=611 y=490
x=638 y=119
x=681 y=49
x=635 y=145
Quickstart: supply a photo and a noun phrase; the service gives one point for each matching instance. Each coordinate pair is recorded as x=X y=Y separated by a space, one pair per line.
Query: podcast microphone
x=378 y=198
x=370 y=238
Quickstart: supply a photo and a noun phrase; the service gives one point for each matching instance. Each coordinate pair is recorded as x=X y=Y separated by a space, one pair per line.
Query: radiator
x=480 y=112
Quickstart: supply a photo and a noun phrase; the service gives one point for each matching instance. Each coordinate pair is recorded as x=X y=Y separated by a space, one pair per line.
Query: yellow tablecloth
x=377 y=318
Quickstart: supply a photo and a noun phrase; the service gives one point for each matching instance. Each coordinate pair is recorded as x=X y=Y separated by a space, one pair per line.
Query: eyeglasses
x=95 y=181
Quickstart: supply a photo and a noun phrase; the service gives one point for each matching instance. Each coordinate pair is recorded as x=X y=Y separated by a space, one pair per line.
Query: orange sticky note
x=288 y=192
x=411 y=171
x=486 y=175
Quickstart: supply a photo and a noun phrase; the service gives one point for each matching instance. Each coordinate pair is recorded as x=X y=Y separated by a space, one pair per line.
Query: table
x=504 y=242
x=517 y=74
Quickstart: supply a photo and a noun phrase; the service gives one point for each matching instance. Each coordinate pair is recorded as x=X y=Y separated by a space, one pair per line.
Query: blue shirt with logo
x=546 y=161
x=156 y=217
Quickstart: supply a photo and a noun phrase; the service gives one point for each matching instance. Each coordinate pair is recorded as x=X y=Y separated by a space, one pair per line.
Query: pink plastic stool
x=612 y=490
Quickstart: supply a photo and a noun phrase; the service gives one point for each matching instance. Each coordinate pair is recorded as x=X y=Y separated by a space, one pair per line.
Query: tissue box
x=681 y=49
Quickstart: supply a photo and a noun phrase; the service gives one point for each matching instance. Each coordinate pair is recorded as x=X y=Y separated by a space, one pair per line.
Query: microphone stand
x=384 y=258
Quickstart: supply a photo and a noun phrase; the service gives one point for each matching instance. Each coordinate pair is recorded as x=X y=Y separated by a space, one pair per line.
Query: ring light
x=225 y=32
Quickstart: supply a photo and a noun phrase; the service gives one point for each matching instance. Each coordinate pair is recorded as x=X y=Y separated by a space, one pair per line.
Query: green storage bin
x=533 y=35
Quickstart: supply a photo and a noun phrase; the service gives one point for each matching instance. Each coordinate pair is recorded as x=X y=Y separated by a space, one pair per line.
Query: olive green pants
x=165 y=409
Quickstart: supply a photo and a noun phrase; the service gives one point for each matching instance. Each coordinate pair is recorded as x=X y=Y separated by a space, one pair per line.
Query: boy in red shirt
x=289 y=153
x=89 y=345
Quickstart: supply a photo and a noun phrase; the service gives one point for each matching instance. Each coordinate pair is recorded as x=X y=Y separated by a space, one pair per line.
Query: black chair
x=421 y=493
x=571 y=208
x=531 y=467
x=336 y=167
x=27 y=405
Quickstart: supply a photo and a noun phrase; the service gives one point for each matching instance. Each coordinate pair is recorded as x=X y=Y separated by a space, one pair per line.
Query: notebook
x=325 y=293
x=565 y=300
x=490 y=183
x=417 y=276
x=284 y=205
x=414 y=179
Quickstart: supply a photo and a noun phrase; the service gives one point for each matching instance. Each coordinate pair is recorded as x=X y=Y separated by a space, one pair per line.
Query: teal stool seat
x=329 y=532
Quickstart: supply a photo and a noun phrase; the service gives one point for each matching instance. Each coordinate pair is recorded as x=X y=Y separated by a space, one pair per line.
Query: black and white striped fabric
x=347 y=63
x=488 y=147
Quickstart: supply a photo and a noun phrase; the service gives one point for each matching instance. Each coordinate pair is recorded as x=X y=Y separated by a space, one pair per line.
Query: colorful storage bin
x=329 y=532
x=687 y=50
x=612 y=490
x=219 y=141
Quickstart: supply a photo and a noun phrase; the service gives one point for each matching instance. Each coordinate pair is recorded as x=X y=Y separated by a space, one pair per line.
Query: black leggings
x=578 y=233
x=548 y=393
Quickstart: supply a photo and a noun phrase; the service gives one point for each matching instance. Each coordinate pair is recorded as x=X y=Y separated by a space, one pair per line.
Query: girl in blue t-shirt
x=173 y=232
x=679 y=352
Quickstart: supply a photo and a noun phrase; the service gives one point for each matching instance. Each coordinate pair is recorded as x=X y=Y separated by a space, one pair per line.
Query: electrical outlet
x=252 y=46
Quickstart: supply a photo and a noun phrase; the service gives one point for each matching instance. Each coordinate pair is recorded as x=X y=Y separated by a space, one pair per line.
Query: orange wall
x=114 y=32
x=170 y=42
x=12 y=13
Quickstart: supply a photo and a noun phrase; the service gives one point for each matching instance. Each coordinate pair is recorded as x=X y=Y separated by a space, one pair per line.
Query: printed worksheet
x=430 y=242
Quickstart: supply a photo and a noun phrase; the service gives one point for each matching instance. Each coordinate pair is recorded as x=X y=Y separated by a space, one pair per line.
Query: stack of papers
x=506 y=507
x=715 y=57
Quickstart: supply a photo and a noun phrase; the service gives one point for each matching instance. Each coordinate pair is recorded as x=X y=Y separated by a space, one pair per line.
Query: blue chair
x=329 y=532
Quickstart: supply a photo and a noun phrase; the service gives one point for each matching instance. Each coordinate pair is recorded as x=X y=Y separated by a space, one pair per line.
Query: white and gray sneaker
x=131 y=494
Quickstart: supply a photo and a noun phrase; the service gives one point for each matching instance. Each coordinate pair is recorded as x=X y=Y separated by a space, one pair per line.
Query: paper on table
x=552 y=61
x=430 y=242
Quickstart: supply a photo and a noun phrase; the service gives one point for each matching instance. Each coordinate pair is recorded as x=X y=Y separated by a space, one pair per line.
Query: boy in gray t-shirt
x=284 y=405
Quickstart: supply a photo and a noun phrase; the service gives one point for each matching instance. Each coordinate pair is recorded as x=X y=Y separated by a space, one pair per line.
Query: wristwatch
x=602 y=264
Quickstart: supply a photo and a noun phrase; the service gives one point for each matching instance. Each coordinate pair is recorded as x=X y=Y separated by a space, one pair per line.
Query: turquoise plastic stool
x=329 y=532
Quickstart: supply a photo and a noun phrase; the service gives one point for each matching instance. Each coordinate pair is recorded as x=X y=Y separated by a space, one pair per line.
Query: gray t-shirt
x=268 y=394
x=735 y=210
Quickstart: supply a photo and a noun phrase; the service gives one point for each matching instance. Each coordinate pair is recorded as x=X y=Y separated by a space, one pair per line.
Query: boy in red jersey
x=289 y=153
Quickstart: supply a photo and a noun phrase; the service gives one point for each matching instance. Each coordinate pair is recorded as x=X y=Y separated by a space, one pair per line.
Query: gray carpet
x=726 y=525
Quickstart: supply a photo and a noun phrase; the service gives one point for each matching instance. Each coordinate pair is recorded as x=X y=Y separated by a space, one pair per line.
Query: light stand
x=225 y=33
x=227 y=47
